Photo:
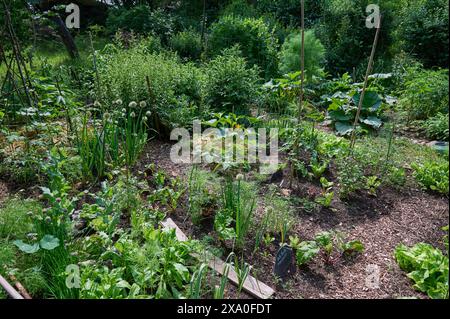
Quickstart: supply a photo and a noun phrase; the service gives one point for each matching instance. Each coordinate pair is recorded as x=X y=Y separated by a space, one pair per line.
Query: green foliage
x=175 y=91
x=279 y=216
x=427 y=267
x=14 y=217
x=437 y=127
x=254 y=38
x=202 y=190
x=290 y=54
x=306 y=251
x=187 y=44
x=230 y=86
x=141 y=19
x=425 y=93
x=343 y=32
x=433 y=175
x=343 y=108
x=240 y=8
x=239 y=202
x=350 y=177
x=423 y=31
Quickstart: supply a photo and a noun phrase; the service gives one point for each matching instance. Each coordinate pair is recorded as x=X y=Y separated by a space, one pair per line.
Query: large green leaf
x=49 y=242
x=372 y=101
x=339 y=116
x=343 y=128
x=26 y=248
x=373 y=121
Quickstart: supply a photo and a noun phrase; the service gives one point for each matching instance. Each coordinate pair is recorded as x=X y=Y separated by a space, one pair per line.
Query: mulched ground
x=408 y=216
x=381 y=223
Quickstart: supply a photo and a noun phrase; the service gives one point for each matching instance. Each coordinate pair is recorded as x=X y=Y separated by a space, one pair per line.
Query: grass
x=14 y=219
x=55 y=54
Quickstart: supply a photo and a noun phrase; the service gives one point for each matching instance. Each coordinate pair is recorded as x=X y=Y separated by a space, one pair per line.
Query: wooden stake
x=202 y=39
x=19 y=287
x=366 y=80
x=302 y=61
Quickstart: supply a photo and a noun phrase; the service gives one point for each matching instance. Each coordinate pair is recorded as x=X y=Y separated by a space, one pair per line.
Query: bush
x=230 y=86
x=290 y=54
x=173 y=85
x=141 y=19
x=437 y=127
x=257 y=43
x=187 y=44
x=348 y=42
x=425 y=93
x=423 y=31
x=240 y=8
x=288 y=11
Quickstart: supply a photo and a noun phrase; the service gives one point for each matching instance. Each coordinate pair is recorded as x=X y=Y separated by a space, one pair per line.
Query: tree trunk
x=66 y=37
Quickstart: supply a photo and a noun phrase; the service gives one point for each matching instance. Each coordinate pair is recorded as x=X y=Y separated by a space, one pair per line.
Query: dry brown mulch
x=381 y=223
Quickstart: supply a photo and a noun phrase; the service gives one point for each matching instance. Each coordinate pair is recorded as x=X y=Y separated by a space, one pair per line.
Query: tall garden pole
x=302 y=61
x=366 y=80
x=202 y=40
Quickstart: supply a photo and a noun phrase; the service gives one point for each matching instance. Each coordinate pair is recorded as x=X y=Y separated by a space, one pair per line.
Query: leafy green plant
x=219 y=291
x=48 y=242
x=306 y=252
x=141 y=19
x=343 y=107
x=427 y=267
x=240 y=200
x=230 y=85
x=187 y=44
x=425 y=93
x=242 y=270
x=352 y=247
x=196 y=282
x=325 y=199
x=432 y=175
x=437 y=127
x=350 y=177
x=422 y=27
x=14 y=219
x=325 y=241
x=294 y=242
x=318 y=168
x=314 y=54
x=201 y=189
x=372 y=184
x=257 y=43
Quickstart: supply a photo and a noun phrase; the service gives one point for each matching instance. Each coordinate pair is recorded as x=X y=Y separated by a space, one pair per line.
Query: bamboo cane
x=302 y=61
x=366 y=80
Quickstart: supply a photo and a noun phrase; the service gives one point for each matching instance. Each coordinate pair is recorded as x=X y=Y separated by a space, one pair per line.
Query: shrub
x=437 y=127
x=230 y=86
x=173 y=85
x=288 y=11
x=343 y=32
x=187 y=44
x=257 y=43
x=240 y=8
x=423 y=31
x=425 y=93
x=432 y=175
x=290 y=54
x=141 y=19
